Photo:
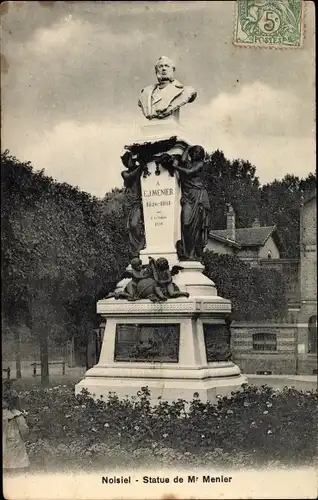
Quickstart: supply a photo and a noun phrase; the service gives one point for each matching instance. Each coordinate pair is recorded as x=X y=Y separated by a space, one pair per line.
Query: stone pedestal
x=178 y=347
x=178 y=366
x=171 y=347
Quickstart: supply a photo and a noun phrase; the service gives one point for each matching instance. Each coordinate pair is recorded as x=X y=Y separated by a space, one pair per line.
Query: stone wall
x=248 y=253
x=308 y=252
x=308 y=222
x=269 y=246
x=219 y=247
x=290 y=356
x=308 y=280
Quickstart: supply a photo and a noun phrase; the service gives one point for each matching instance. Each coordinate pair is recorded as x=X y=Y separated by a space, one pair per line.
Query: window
x=312 y=334
x=264 y=342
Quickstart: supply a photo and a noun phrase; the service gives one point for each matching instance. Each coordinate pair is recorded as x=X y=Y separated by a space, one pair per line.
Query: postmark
x=269 y=23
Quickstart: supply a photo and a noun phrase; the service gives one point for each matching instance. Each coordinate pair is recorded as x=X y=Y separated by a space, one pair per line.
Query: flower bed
x=256 y=426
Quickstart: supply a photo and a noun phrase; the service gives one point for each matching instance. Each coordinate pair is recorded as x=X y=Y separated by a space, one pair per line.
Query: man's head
x=165 y=69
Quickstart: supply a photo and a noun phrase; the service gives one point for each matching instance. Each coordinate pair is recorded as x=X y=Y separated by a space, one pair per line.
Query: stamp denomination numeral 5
x=272 y=22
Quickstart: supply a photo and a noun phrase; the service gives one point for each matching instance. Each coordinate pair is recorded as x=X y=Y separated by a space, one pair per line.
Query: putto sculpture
x=153 y=281
x=165 y=98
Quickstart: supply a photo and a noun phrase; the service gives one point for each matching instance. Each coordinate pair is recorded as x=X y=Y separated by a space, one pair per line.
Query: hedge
x=256 y=293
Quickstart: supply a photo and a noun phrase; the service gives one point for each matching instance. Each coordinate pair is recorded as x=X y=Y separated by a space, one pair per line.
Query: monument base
x=176 y=348
x=206 y=386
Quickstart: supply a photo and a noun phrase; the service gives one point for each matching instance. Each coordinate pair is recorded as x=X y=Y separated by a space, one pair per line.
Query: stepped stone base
x=174 y=371
x=168 y=389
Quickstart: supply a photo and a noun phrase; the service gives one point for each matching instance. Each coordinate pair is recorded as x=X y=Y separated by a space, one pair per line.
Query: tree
x=59 y=247
x=281 y=203
x=114 y=207
x=231 y=182
x=14 y=257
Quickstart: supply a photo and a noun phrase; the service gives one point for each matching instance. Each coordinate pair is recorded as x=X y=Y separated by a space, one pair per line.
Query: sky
x=72 y=73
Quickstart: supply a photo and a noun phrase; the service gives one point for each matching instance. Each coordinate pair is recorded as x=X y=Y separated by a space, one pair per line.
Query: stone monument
x=166 y=326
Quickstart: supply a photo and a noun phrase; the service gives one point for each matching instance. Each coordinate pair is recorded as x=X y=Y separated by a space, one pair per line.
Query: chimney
x=230 y=222
x=256 y=223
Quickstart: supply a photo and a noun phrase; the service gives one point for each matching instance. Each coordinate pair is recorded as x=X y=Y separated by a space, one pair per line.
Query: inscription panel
x=160 y=197
x=217 y=340
x=147 y=343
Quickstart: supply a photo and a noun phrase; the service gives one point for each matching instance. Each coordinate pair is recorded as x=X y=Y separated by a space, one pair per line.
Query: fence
x=35 y=364
x=8 y=372
x=61 y=358
x=28 y=362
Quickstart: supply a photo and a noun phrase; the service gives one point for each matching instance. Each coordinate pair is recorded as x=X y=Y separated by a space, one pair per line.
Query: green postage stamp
x=269 y=23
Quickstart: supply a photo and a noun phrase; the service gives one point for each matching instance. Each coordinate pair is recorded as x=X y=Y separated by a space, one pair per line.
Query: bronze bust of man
x=165 y=98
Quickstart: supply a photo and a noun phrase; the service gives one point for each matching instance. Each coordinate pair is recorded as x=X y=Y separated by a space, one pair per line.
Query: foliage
x=232 y=182
x=277 y=202
x=280 y=203
x=61 y=251
x=254 y=426
x=255 y=293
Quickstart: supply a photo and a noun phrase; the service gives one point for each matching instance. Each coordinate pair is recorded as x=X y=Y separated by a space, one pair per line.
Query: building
x=258 y=246
x=290 y=345
x=307 y=314
x=251 y=244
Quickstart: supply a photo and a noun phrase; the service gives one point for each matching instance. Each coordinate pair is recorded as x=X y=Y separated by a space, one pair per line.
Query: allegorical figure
x=165 y=98
x=134 y=212
x=195 y=205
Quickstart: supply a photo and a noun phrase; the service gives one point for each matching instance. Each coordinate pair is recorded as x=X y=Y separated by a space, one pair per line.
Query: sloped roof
x=245 y=237
x=224 y=238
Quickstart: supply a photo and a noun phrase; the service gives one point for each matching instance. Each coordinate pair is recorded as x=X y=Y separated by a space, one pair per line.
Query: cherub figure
x=165 y=288
x=152 y=281
x=137 y=273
